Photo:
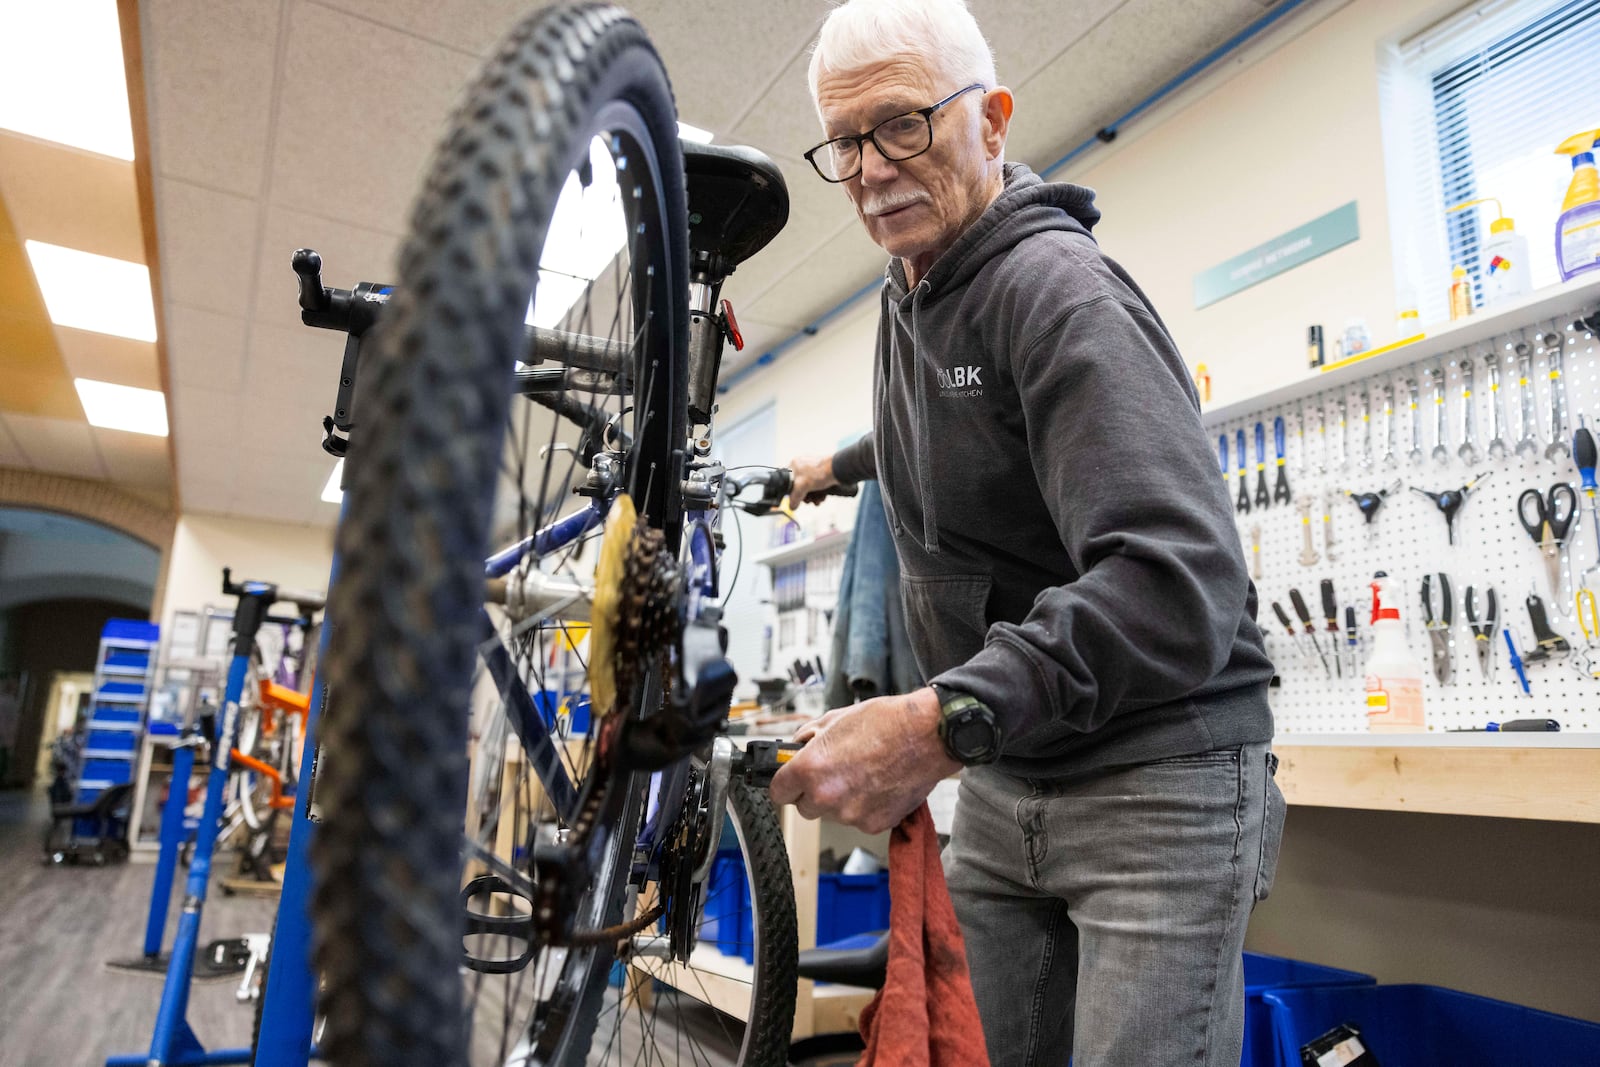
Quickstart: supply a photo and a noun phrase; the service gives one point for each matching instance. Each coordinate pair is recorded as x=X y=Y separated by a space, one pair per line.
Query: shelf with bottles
x=1578 y=295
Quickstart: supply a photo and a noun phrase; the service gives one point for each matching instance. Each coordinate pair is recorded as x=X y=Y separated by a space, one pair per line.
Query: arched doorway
x=61 y=578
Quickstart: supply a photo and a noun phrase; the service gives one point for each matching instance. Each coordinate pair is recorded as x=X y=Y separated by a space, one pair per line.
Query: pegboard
x=1335 y=445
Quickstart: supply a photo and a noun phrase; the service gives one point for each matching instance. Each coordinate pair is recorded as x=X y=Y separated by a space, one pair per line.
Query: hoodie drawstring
x=930 y=515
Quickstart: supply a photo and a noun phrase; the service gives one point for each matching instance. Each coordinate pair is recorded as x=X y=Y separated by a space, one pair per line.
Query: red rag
x=925 y=1015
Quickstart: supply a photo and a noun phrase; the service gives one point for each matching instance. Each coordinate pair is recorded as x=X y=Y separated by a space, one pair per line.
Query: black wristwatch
x=967 y=727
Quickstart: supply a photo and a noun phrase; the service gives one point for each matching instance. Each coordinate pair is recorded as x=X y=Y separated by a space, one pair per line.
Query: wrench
x=1528 y=440
x=1255 y=551
x=1468 y=450
x=1338 y=446
x=1364 y=461
x=1308 y=554
x=1441 y=425
x=1390 y=459
x=1415 y=455
x=1327 y=525
x=1555 y=343
x=1321 y=439
x=1497 y=441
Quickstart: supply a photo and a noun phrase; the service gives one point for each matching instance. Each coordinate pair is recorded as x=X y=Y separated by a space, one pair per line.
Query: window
x=1475 y=107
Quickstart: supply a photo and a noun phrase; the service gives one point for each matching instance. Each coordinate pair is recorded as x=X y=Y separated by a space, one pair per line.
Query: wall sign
x=1300 y=245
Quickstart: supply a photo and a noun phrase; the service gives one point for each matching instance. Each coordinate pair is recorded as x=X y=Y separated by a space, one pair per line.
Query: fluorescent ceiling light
x=331 y=492
x=90 y=292
x=122 y=407
x=61 y=76
x=694 y=133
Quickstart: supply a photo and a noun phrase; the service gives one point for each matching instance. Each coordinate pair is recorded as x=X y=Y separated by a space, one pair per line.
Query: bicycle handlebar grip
x=308 y=268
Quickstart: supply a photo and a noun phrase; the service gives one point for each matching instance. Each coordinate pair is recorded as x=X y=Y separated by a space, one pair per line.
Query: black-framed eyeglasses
x=897 y=139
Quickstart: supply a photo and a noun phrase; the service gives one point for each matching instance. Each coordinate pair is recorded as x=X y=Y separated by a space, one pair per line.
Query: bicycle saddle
x=738 y=202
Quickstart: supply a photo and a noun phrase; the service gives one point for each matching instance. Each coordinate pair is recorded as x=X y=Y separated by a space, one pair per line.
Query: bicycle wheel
x=556 y=198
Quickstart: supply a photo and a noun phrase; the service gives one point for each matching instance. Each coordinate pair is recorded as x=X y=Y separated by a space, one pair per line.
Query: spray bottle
x=1578 y=228
x=1505 y=256
x=1394 y=675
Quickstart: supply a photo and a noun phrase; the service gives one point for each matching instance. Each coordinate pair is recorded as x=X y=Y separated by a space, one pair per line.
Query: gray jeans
x=1105 y=915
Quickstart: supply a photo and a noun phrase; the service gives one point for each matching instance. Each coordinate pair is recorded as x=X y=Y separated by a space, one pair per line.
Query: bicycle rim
x=449 y=466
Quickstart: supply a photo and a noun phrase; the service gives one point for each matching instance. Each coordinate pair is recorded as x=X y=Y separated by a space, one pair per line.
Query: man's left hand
x=867 y=765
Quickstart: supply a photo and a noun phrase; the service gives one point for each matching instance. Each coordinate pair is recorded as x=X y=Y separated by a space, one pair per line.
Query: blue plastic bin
x=1262 y=973
x=847 y=904
x=850 y=904
x=1426 y=1026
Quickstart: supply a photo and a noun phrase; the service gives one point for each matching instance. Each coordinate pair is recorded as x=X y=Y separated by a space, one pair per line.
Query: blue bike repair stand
x=288 y=1005
x=174 y=1043
x=173 y=832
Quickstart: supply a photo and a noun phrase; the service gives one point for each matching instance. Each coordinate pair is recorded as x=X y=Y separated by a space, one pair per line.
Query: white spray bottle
x=1394 y=674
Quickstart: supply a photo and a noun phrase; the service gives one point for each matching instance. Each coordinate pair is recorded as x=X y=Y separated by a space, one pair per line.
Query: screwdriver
x=1283 y=617
x=1352 y=640
x=1301 y=610
x=1330 y=615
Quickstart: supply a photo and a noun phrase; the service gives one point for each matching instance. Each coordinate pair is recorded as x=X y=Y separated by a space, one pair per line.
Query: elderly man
x=1071 y=573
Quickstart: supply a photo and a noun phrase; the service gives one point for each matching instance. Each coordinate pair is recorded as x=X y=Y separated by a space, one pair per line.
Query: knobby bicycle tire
x=432 y=407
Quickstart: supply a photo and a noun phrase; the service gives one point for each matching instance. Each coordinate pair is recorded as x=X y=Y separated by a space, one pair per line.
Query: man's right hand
x=813 y=476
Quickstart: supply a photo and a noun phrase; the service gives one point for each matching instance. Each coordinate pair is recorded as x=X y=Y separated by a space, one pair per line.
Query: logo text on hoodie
x=960 y=381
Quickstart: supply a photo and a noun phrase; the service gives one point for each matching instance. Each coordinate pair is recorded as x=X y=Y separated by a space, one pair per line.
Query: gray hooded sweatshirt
x=1068 y=553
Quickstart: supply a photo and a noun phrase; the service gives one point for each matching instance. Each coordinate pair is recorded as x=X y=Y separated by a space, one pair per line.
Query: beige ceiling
x=276 y=124
x=85 y=201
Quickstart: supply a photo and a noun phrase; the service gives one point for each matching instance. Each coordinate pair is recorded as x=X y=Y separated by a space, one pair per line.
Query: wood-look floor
x=61 y=1005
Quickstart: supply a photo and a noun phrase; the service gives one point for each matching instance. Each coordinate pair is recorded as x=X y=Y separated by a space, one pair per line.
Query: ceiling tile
x=350 y=254
x=205 y=422
x=1026 y=36
x=68 y=197
x=204 y=348
x=57 y=446
x=275 y=487
x=134 y=460
x=366 y=168
x=206 y=495
x=1116 y=65
x=11 y=454
x=842 y=266
x=208 y=244
x=718 y=61
x=783 y=121
x=47 y=393
x=208 y=74
x=105 y=358
x=818 y=211
x=473 y=26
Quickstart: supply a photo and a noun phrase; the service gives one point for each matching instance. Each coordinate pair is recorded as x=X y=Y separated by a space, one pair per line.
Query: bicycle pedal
x=761 y=760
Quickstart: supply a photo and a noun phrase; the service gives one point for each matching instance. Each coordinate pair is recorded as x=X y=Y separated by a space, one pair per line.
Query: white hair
x=942 y=33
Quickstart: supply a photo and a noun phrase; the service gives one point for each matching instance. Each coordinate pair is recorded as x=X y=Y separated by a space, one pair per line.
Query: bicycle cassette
x=634 y=619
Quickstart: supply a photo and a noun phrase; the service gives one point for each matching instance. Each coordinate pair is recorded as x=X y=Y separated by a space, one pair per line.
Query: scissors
x=1553 y=515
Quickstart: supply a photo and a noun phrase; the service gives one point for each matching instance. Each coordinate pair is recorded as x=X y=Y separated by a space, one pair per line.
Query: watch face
x=971 y=737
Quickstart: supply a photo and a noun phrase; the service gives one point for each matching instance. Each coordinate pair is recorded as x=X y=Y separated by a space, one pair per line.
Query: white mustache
x=888 y=202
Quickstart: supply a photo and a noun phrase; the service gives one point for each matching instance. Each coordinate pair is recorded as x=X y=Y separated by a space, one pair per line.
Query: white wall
x=290 y=555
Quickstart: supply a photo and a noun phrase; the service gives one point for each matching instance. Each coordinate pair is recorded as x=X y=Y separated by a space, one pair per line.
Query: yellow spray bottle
x=1578 y=228
x=1504 y=259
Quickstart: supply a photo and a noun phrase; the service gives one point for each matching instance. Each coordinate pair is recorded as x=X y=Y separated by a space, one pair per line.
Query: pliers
x=1437 y=613
x=1484 y=629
